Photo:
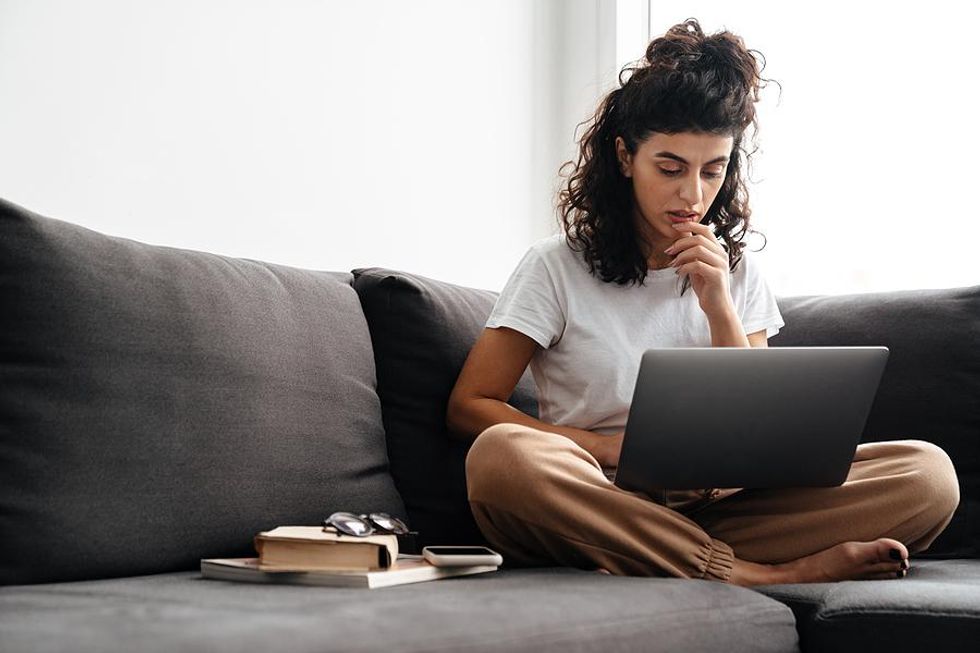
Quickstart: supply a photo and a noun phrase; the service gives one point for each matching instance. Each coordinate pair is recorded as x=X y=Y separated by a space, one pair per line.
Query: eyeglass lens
x=389 y=523
x=350 y=523
x=358 y=525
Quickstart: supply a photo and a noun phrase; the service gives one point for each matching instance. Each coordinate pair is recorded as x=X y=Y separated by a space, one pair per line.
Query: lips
x=682 y=217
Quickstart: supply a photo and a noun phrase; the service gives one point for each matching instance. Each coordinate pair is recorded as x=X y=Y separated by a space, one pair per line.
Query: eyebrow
x=671 y=155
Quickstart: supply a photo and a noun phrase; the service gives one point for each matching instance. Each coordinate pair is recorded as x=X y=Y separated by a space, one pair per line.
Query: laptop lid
x=727 y=417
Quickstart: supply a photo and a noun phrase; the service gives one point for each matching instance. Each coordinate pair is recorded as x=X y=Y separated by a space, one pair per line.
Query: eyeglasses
x=366 y=524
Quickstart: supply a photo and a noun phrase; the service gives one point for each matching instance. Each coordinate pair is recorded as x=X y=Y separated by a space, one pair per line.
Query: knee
x=936 y=483
x=500 y=455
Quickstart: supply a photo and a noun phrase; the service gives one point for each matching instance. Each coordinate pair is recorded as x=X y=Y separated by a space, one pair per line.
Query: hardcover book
x=305 y=548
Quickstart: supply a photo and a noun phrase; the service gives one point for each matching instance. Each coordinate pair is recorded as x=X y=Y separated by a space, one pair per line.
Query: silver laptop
x=733 y=417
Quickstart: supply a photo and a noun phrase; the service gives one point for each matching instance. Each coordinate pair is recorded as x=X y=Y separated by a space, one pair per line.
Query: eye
x=674 y=173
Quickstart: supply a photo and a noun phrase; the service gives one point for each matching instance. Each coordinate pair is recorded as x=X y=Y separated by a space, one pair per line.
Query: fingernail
x=900 y=573
x=895 y=554
x=669 y=250
x=905 y=565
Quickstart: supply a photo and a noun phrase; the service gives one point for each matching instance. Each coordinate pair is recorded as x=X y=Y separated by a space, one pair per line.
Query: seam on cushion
x=788 y=598
x=828 y=615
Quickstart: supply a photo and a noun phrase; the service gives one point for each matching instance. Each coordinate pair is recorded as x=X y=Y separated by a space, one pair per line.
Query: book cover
x=304 y=548
x=406 y=569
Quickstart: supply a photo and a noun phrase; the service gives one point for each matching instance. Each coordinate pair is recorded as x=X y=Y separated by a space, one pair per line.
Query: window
x=865 y=176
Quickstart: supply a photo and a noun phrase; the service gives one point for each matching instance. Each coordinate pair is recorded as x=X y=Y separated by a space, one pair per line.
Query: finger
x=694 y=237
x=697 y=267
x=693 y=227
x=700 y=253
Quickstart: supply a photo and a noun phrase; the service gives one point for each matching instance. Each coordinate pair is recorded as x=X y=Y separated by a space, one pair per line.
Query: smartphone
x=458 y=556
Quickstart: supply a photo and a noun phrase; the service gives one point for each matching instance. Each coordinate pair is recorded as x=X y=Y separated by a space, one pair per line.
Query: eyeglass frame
x=368 y=519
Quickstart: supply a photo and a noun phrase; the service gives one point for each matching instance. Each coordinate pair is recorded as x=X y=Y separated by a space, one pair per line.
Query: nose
x=691 y=192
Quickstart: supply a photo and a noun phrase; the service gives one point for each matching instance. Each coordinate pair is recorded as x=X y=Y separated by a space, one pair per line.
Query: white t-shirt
x=593 y=333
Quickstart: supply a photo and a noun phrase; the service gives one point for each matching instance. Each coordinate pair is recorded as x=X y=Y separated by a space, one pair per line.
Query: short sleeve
x=761 y=311
x=529 y=302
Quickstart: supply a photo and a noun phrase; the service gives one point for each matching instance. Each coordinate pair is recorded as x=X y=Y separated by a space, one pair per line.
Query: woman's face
x=674 y=172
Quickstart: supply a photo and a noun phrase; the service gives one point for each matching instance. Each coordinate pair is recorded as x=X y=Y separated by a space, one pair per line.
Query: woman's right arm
x=488 y=378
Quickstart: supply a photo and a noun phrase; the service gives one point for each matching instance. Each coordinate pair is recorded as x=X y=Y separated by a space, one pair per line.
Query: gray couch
x=159 y=406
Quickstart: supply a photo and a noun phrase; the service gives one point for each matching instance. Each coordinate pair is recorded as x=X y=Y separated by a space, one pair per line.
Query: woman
x=657 y=201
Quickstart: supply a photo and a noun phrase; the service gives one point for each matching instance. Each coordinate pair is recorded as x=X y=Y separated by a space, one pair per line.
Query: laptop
x=734 y=417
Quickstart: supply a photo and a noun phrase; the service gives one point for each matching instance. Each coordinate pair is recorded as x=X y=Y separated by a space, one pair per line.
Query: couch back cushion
x=422 y=331
x=930 y=389
x=160 y=405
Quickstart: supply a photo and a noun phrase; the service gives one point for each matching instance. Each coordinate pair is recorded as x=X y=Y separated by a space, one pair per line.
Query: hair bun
x=681 y=42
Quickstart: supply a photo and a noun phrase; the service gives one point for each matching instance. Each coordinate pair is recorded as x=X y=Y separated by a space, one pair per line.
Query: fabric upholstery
x=160 y=405
x=422 y=331
x=930 y=389
x=536 y=611
x=936 y=607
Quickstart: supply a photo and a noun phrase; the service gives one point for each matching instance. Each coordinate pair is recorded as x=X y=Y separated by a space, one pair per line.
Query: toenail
x=895 y=554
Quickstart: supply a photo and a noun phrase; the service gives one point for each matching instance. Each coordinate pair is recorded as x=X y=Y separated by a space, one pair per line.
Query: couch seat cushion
x=935 y=608
x=161 y=405
x=545 y=609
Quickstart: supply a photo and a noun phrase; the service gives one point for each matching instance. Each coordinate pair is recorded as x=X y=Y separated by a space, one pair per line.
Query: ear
x=623 y=157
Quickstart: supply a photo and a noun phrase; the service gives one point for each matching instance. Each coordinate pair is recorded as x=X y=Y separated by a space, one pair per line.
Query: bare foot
x=846 y=561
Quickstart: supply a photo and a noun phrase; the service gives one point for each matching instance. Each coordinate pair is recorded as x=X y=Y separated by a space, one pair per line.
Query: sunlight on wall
x=427 y=136
x=328 y=135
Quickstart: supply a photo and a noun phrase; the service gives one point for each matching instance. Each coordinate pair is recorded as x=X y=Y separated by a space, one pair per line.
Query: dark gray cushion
x=422 y=331
x=536 y=610
x=935 y=608
x=930 y=389
x=162 y=405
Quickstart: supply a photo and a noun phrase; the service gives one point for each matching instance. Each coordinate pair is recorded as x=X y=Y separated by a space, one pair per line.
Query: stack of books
x=310 y=555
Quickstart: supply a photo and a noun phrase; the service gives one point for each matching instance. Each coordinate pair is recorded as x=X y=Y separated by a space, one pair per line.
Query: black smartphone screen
x=460 y=550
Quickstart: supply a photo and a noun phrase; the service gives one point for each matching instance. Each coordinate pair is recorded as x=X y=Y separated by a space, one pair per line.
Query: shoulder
x=548 y=247
x=750 y=275
x=748 y=266
x=556 y=254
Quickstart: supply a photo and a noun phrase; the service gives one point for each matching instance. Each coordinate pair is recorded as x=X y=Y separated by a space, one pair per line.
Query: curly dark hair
x=687 y=82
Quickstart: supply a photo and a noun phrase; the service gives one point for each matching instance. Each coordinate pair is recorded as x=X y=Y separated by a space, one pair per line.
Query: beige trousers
x=540 y=499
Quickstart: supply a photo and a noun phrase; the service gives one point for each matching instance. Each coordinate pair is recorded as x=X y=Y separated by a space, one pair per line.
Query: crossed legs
x=540 y=499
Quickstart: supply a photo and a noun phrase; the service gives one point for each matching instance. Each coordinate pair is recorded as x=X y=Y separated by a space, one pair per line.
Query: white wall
x=422 y=136
x=427 y=136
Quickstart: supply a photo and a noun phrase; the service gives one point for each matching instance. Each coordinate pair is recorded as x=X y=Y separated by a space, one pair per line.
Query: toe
x=887 y=575
x=889 y=568
x=890 y=550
